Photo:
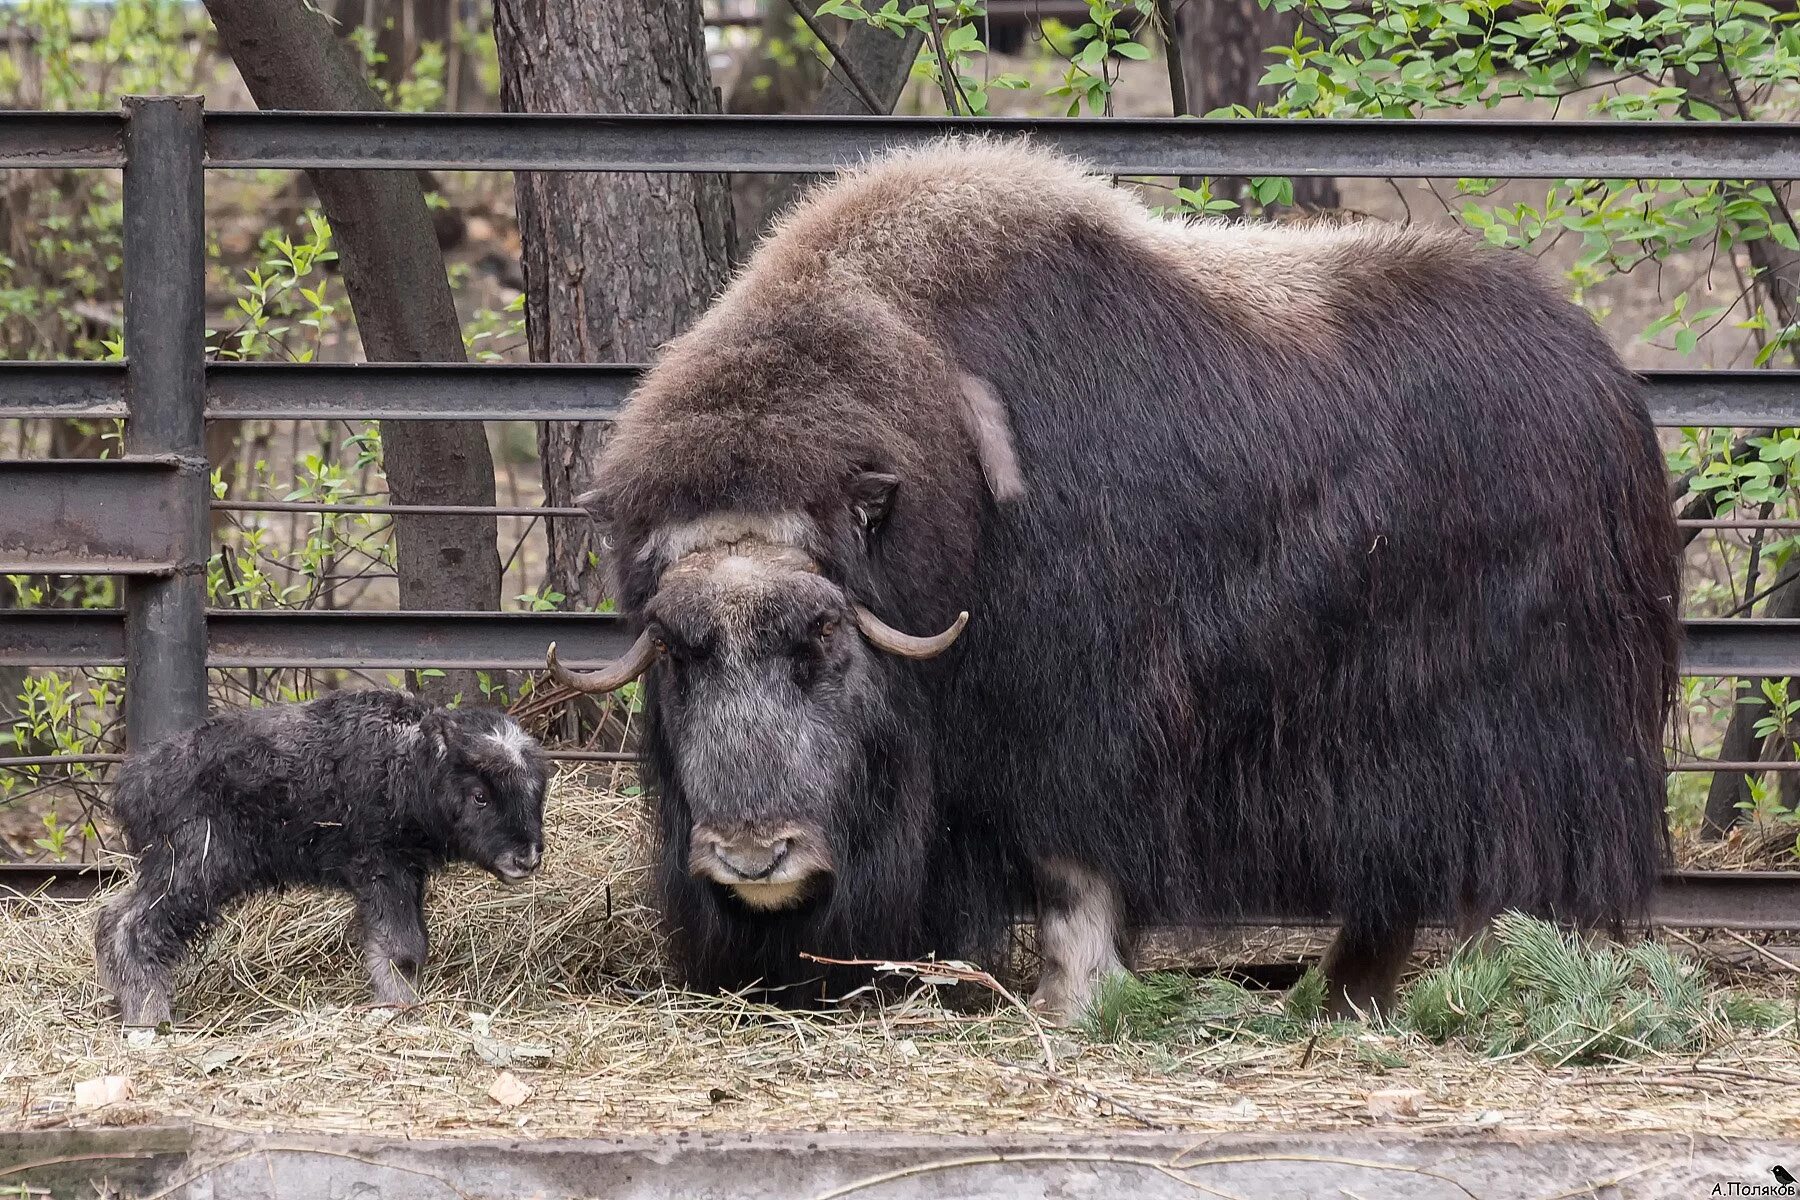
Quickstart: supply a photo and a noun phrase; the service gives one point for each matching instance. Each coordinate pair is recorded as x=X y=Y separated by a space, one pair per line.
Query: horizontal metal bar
x=418 y=391
x=325 y=640
x=422 y=510
x=1124 y=146
x=1761 y=647
x=598 y=392
x=59 y=760
x=92 y=516
x=1747 y=523
x=1728 y=900
x=54 y=637
x=62 y=389
x=1683 y=900
x=516 y=641
x=361 y=639
x=1745 y=399
x=1708 y=765
x=61 y=139
x=56 y=881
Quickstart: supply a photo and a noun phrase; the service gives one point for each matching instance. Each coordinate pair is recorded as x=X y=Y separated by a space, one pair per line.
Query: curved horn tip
x=613 y=675
x=885 y=637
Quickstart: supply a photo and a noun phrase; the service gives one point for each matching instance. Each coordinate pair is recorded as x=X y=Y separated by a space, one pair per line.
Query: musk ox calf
x=367 y=792
x=1308 y=570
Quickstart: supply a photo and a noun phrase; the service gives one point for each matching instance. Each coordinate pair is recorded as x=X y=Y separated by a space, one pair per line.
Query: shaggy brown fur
x=1324 y=568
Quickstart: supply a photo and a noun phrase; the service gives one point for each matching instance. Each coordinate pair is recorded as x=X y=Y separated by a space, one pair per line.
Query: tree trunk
x=615 y=264
x=394 y=275
x=1224 y=47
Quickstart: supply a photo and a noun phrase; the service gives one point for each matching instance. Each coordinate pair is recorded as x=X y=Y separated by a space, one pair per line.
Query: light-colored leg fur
x=391 y=918
x=1079 y=938
x=135 y=953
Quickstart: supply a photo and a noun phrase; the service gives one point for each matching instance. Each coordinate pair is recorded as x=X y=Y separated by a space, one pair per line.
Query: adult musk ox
x=1317 y=570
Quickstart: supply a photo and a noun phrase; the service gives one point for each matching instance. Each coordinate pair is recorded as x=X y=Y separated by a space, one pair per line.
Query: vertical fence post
x=165 y=350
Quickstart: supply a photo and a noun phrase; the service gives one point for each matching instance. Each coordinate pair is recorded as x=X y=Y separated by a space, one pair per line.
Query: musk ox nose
x=749 y=856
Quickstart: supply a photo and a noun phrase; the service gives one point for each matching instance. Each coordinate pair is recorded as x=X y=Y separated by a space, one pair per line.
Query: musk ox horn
x=613 y=675
x=886 y=637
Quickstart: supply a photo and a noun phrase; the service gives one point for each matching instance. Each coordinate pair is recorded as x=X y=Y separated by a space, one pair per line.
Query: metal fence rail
x=597 y=391
x=146 y=517
x=789 y=144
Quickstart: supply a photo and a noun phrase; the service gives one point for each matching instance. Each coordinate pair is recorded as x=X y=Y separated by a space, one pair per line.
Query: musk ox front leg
x=390 y=915
x=1080 y=938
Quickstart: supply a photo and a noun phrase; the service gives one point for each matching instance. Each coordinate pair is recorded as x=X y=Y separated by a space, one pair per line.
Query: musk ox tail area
x=1318 y=569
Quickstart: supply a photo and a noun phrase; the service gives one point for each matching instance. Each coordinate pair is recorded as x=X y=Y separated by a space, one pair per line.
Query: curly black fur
x=367 y=792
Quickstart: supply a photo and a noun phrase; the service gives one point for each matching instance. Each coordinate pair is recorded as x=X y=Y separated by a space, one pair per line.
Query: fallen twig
x=1762 y=950
x=958 y=972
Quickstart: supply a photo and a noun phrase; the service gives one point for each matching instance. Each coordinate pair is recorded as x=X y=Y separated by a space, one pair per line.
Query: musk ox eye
x=825 y=629
x=478 y=796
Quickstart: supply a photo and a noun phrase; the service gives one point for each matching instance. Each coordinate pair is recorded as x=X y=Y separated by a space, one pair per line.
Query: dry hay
x=555 y=984
x=1753 y=846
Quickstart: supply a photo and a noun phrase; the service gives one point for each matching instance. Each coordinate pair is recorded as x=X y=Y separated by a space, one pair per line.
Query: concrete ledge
x=207 y=1164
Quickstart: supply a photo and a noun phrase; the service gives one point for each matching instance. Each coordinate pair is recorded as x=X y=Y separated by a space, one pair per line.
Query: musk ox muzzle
x=769 y=869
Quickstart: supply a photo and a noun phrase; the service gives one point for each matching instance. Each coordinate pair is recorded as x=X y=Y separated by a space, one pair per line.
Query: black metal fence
x=146 y=516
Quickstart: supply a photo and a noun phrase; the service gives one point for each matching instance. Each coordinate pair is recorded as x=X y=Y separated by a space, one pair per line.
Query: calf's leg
x=1080 y=938
x=390 y=912
x=1363 y=965
x=140 y=940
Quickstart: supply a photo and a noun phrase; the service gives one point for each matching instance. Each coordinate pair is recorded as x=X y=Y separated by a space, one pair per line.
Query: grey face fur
x=766 y=693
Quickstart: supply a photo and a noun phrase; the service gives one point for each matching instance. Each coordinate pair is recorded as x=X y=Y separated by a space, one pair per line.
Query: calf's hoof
x=144 y=1012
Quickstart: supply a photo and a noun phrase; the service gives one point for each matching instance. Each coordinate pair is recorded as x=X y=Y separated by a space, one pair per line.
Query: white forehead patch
x=674 y=542
x=513 y=741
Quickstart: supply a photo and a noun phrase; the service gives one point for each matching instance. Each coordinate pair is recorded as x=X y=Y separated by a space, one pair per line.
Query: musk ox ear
x=871 y=496
x=990 y=431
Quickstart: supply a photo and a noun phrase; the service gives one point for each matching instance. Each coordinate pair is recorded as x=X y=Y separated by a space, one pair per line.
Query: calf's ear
x=435 y=728
x=872 y=497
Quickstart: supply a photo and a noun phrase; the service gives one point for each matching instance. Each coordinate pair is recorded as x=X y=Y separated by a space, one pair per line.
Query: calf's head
x=493 y=795
x=772 y=696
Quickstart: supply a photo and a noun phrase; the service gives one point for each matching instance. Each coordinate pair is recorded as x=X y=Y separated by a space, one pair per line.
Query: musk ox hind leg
x=1079 y=938
x=390 y=917
x=1363 y=964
